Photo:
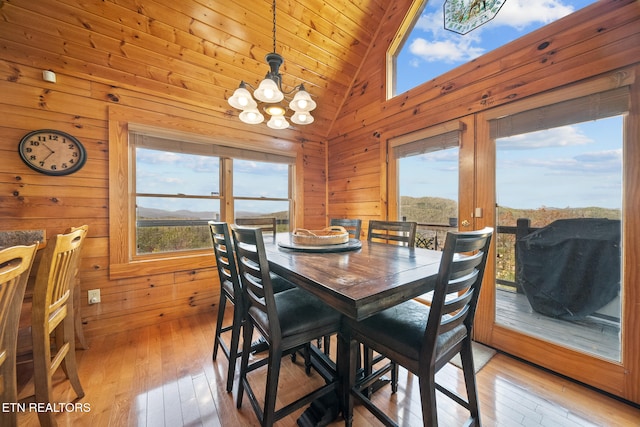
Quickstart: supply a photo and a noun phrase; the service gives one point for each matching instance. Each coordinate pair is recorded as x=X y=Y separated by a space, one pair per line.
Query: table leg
x=347 y=352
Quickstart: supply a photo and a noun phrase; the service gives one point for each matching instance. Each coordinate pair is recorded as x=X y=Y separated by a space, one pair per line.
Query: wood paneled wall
x=91 y=48
x=597 y=39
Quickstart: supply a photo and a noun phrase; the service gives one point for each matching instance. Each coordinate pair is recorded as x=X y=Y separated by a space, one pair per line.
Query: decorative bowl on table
x=334 y=235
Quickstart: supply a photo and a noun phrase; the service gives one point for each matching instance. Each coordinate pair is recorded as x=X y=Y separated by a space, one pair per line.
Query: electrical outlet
x=94 y=296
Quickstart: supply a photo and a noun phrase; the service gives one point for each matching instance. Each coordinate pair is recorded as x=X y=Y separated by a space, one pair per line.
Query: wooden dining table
x=358 y=283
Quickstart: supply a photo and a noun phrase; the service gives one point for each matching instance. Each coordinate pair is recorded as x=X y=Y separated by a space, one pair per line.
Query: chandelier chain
x=274 y=25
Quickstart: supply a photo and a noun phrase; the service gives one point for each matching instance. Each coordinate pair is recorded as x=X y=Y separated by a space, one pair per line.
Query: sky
x=160 y=172
x=430 y=50
x=571 y=166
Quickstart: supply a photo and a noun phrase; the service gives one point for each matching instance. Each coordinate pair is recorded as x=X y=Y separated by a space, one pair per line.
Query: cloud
x=522 y=13
x=557 y=137
x=449 y=51
x=432 y=43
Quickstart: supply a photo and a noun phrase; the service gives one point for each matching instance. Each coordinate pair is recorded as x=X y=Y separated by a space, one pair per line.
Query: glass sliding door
x=558 y=212
x=556 y=175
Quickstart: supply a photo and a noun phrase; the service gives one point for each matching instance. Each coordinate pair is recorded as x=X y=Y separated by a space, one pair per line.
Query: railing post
x=522 y=229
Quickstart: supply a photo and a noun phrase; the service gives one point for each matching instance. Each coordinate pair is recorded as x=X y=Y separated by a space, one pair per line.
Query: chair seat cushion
x=402 y=328
x=280 y=284
x=299 y=312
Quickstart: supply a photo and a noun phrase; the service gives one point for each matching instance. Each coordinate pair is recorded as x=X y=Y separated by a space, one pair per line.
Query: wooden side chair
x=287 y=320
x=52 y=314
x=15 y=265
x=352 y=225
x=81 y=341
x=266 y=224
x=422 y=338
x=399 y=232
x=231 y=292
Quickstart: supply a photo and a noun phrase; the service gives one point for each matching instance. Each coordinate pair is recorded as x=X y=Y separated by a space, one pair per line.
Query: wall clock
x=52 y=152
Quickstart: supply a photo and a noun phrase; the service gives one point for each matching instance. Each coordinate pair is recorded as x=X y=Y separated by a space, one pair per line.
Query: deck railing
x=432 y=235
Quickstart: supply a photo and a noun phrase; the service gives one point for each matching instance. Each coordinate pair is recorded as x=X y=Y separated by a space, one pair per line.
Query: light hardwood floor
x=164 y=376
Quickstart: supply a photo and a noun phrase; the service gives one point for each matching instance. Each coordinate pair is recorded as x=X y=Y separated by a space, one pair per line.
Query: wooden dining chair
x=390 y=232
x=354 y=228
x=422 y=338
x=352 y=225
x=231 y=292
x=15 y=265
x=397 y=232
x=267 y=224
x=287 y=320
x=52 y=315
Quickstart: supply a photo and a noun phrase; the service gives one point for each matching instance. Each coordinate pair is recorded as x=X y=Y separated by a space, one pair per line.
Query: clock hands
x=50 y=152
x=47 y=147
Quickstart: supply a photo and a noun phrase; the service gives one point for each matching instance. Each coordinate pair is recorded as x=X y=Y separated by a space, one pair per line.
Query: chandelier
x=270 y=93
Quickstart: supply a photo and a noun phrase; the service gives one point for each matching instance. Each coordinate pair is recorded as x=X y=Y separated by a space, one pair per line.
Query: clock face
x=52 y=152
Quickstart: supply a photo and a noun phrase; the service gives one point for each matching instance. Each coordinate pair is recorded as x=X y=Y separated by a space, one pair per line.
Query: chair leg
x=247 y=336
x=41 y=372
x=221 y=309
x=327 y=344
x=233 y=350
x=69 y=363
x=428 y=399
x=468 y=369
x=273 y=374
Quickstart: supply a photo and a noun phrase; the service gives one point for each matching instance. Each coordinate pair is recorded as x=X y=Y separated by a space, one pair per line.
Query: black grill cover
x=570 y=268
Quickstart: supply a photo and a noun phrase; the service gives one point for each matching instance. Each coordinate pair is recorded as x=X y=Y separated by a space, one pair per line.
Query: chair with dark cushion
x=352 y=225
x=390 y=232
x=15 y=265
x=230 y=291
x=287 y=320
x=393 y=232
x=422 y=338
x=354 y=228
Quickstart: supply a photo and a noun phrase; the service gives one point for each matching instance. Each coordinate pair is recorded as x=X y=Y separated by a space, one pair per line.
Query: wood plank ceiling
x=212 y=44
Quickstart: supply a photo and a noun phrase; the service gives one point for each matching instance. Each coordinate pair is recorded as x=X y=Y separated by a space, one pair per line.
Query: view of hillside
x=423 y=210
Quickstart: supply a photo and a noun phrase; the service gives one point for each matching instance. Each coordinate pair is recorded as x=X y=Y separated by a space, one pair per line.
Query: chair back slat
x=393 y=231
x=457 y=289
x=265 y=224
x=352 y=225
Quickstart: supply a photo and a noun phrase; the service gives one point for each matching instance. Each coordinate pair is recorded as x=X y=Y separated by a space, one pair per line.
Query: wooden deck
x=594 y=336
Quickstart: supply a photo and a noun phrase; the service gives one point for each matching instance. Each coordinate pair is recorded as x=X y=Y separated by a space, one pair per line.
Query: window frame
x=123 y=261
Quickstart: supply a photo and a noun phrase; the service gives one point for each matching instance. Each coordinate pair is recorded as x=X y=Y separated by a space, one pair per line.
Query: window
x=178 y=189
x=427 y=169
x=262 y=189
x=423 y=49
x=166 y=183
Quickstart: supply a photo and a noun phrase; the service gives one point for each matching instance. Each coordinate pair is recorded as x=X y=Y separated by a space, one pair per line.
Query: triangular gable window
x=423 y=49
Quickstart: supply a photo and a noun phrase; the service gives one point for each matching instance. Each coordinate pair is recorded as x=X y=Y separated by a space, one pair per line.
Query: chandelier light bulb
x=242 y=99
x=302 y=101
x=278 y=122
x=251 y=116
x=302 y=118
x=268 y=91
